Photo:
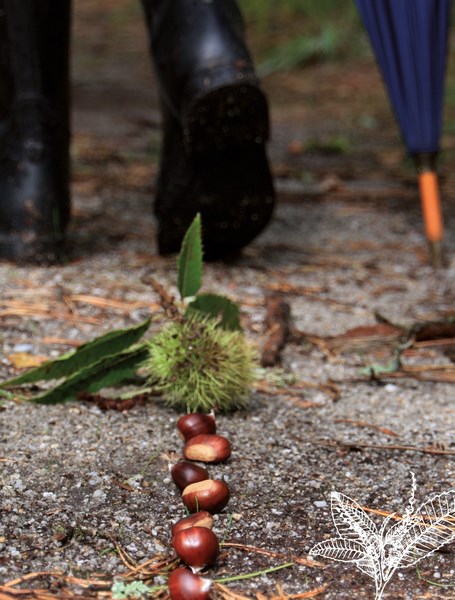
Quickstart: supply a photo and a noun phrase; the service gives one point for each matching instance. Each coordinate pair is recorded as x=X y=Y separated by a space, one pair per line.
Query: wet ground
x=345 y=250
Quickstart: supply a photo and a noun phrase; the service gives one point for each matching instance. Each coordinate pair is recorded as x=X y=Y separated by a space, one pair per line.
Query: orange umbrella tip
x=432 y=213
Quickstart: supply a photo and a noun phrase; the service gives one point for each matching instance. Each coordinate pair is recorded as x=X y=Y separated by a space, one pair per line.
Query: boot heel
x=216 y=165
x=228 y=116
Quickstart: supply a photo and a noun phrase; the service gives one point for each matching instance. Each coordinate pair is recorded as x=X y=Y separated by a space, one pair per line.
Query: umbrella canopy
x=410 y=41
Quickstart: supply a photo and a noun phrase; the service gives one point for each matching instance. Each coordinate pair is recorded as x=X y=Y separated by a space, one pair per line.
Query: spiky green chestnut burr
x=199 y=365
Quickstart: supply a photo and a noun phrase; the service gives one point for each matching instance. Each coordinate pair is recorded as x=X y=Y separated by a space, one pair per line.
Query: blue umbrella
x=410 y=41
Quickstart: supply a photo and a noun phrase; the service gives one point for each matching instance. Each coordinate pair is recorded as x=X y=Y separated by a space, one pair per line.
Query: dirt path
x=345 y=246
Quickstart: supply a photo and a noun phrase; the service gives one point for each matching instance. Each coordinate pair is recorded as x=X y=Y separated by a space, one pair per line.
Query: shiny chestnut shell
x=183 y=584
x=208 y=448
x=197 y=547
x=201 y=518
x=184 y=473
x=196 y=424
x=211 y=495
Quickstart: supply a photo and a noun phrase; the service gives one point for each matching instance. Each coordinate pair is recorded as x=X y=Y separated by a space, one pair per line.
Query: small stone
x=314 y=484
x=320 y=504
x=99 y=495
x=19 y=485
x=49 y=495
x=23 y=348
x=390 y=387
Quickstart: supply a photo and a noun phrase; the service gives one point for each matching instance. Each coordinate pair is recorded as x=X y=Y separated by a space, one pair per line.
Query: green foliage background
x=285 y=34
x=289 y=34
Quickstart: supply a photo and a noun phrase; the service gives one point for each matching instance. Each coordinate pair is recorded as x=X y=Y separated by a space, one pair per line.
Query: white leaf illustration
x=346 y=551
x=352 y=522
x=379 y=553
x=420 y=534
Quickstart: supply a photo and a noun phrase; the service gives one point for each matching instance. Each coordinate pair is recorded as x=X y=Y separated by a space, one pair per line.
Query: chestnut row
x=192 y=537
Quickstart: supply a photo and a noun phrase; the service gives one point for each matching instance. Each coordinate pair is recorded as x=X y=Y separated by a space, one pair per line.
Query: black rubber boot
x=34 y=128
x=215 y=125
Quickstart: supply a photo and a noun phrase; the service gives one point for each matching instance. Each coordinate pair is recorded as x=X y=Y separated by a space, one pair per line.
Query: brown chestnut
x=211 y=495
x=197 y=547
x=195 y=424
x=201 y=518
x=183 y=473
x=207 y=448
x=185 y=585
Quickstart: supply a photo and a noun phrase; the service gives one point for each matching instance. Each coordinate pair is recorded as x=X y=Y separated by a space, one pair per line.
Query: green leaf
x=109 y=344
x=135 y=589
x=218 y=307
x=190 y=260
x=109 y=371
x=375 y=370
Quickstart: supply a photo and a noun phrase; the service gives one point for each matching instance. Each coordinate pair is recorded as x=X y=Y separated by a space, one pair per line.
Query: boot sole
x=229 y=116
x=224 y=138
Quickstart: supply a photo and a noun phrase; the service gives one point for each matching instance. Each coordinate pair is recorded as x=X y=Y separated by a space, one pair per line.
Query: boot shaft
x=6 y=83
x=196 y=46
x=34 y=127
x=34 y=53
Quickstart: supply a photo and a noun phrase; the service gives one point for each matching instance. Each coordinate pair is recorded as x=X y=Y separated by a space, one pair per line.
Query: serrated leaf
x=109 y=371
x=109 y=344
x=218 y=307
x=189 y=263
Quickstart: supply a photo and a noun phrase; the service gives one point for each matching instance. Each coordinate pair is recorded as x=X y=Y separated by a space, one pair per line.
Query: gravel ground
x=77 y=481
x=64 y=468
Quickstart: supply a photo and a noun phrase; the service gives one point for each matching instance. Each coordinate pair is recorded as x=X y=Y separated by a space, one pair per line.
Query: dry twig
x=346 y=446
x=277 y=318
x=307 y=562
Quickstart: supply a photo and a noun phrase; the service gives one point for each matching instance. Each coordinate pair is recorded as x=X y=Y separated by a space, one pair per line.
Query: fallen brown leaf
x=363 y=339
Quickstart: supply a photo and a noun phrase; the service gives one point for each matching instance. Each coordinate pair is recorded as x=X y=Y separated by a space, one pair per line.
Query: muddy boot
x=34 y=128
x=215 y=125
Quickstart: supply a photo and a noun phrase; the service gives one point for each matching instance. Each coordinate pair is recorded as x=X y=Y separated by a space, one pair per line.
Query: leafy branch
x=199 y=359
